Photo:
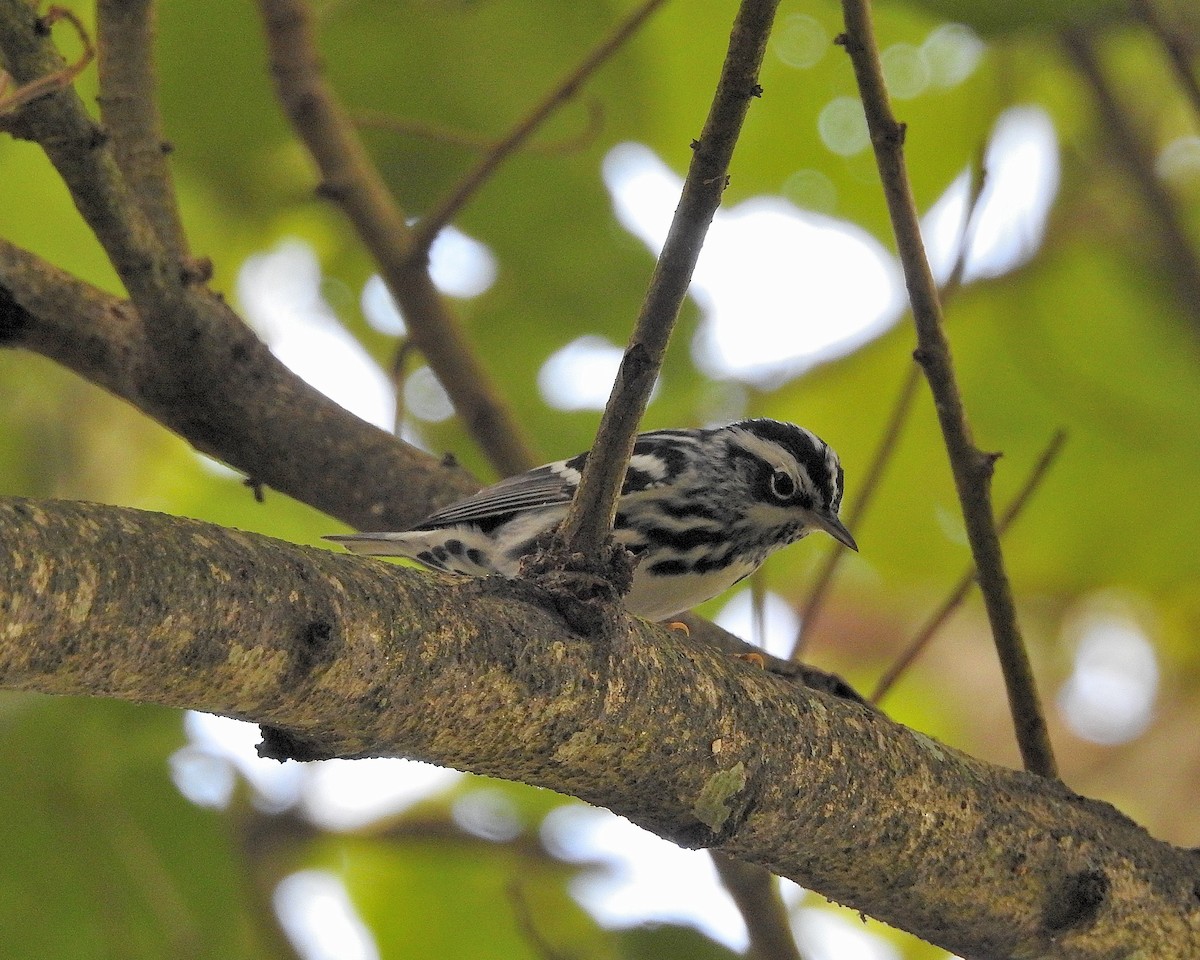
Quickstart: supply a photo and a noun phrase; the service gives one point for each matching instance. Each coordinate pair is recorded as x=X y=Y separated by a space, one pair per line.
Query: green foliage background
x=100 y=855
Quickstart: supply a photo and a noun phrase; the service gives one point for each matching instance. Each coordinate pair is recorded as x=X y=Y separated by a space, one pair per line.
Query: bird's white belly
x=657 y=598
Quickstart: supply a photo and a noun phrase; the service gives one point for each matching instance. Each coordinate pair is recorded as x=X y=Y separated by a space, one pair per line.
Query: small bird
x=699 y=509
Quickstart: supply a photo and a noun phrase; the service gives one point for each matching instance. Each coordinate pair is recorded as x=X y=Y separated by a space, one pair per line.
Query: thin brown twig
x=527 y=924
x=952 y=602
x=1133 y=153
x=590 y=516
x=885 y=449
x=972 y=468
x=11 y=102
x=1179 y=55
x=129 y=112
x=350 y=179
x=468 y=140
x=432 y=223
x=889 y=440
x=755 y=891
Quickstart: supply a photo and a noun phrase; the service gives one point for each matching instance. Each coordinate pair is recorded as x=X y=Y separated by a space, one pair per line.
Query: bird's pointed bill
x=835 y=528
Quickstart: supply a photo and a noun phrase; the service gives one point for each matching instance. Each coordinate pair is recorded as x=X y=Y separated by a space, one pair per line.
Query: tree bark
x=353 y=657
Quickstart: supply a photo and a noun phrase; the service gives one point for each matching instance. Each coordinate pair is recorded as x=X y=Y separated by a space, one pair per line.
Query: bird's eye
x=782 y=485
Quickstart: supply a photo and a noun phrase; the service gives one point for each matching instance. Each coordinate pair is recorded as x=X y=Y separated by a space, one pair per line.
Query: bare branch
x=350 y=179
x=255 y=414
x=756 y=893
x=590 y=518
x=972 y=467
x=432 y=223
x=1164 y=217
x=1179 y=52
x=345 y=656
x=129 y=111
x=379 y=120
x=11 y=101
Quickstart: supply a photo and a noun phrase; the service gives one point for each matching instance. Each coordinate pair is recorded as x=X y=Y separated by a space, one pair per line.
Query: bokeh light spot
x=425 y=398
x=800 y=41
x=904 y=70
x=842 y=126
x=1109 y=697
x=1179 y=161
x=951 y=52
x=811 y=190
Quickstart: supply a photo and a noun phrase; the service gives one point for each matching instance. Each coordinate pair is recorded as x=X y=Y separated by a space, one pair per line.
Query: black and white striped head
x=794 y=478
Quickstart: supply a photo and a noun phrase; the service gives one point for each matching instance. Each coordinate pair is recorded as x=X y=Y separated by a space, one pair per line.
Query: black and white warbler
x=700 y=509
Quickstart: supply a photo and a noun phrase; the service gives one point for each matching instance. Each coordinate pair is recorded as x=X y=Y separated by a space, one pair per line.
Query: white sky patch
x=652 y=880
x=380 y=309
x=425 y=398
x=951 y=52
x=780 y=620
x=826 y=935
x=320 y=919
x=1022 y=179
x=459 y=265
x=580 y=375
x=335 y=794
x=346 y=794
x=224 y=740
x=782 y=288
x=1110 y=695
x=487 y=813
x=280 y=294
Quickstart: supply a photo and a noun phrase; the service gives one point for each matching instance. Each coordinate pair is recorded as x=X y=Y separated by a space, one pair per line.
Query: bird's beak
x=835 y=528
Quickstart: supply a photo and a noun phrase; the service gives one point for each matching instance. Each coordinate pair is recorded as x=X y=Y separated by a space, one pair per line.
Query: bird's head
x=793 y=478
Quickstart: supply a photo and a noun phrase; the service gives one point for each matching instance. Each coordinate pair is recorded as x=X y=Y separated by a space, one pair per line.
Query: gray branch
x=352 y=657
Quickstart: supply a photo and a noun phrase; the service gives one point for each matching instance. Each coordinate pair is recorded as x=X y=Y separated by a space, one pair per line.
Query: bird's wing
x=546 y=486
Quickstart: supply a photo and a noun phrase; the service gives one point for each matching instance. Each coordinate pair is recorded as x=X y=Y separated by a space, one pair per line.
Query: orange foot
x=679 y=626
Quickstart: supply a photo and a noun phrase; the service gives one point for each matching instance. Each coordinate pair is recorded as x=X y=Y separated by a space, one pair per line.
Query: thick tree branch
x=251 y=411
x=353 y=657
x=590 y=518
x=972 y=468
x=280 y=431
x=350 y=179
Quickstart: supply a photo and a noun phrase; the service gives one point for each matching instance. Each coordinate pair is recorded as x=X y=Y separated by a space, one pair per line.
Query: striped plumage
x=701 y=509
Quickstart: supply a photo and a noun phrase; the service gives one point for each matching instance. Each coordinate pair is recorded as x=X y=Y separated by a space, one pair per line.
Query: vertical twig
x=959 y=593
x=1179 y=56
x=350 y=179
x=755 y=892
x=972 y=467
x=431 y=224
x=1133 y=153
x=129 y=110
x=590 y=517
